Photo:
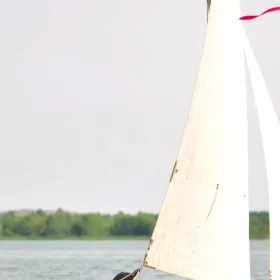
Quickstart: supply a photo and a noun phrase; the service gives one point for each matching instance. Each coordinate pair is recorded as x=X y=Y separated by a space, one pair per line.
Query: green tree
x=124 y=224
x=58 y=224
x=32 y=224
x=9 y=221
x=144 y=224
x=97 y=224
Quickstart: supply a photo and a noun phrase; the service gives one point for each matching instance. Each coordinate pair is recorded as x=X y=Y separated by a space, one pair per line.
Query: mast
x=202 y=231
x=208 y=7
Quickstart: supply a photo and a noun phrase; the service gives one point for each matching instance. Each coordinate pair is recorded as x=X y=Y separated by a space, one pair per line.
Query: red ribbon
x=249 y=17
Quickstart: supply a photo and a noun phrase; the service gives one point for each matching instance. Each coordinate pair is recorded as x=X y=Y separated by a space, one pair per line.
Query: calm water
x=84 y=260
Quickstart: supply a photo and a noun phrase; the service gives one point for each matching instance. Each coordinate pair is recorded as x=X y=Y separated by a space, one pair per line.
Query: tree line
x=62 y=224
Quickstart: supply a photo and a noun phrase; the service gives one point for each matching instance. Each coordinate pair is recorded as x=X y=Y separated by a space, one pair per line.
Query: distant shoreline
x=83 y=238
x=63 y=225
x=89 y=238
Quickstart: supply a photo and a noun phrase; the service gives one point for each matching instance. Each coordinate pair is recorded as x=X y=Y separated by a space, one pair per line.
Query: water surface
x=84 y=260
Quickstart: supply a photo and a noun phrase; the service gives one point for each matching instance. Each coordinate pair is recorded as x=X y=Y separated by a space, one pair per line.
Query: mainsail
x=270 y=133
x=202 y=231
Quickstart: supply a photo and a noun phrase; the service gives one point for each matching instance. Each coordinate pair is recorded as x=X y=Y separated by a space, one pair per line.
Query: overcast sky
x=94 y=96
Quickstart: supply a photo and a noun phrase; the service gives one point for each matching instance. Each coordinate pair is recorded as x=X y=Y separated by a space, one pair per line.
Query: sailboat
x=202 y=231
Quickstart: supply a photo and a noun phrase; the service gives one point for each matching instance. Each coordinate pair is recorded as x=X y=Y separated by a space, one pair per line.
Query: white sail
x=270 y=133
x=202 y=231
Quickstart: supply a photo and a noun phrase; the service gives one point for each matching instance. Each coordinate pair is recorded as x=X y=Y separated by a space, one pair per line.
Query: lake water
x=88 y=260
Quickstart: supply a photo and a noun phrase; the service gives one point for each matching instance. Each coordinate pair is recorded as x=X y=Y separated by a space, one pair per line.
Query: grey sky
x=94 y=99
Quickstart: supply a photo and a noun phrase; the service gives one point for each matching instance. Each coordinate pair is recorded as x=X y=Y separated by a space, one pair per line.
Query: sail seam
x=217 y=188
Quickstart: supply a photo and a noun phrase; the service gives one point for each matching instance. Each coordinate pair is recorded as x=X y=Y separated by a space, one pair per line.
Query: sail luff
x=202 y=231
x=270 y=134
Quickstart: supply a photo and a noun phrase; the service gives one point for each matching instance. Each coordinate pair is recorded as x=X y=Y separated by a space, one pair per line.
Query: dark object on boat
x=126 y=275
